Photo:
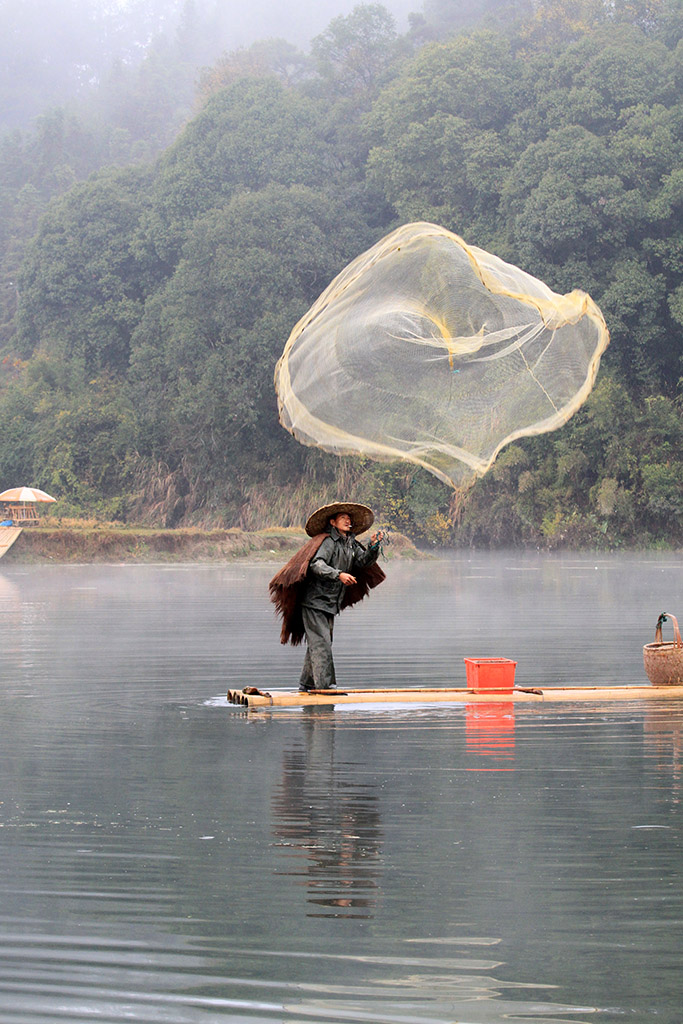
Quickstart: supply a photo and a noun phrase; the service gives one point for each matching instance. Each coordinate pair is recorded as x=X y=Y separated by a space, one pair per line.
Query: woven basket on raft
x=663 y=660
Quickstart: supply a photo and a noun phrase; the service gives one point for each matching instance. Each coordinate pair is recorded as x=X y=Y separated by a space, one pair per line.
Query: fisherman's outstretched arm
x=362 y=557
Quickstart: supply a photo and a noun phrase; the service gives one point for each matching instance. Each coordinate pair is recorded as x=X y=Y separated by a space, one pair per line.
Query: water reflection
x=490 y=729
x=663 y=735
x=165 y=858
x=329 y=823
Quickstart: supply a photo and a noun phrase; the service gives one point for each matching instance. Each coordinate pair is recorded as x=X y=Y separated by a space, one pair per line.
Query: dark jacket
x=338 y=553
x=288 y=585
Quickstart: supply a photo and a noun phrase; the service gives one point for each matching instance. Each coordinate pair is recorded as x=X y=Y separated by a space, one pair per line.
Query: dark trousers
x=318 y=670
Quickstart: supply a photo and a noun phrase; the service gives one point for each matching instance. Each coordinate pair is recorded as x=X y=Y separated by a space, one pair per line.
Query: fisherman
x=330 y=572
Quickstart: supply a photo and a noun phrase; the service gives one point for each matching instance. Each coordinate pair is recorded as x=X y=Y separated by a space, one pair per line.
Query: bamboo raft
x=252 y=697
x=8 y=535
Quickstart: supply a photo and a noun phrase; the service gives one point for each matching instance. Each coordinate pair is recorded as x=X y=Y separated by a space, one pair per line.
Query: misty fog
x=54 y=50
x=296 y=22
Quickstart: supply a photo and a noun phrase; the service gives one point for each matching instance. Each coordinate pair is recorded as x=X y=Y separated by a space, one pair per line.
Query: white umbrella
x=25 y=494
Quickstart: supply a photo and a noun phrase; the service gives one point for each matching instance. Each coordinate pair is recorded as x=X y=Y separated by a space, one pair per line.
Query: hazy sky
x=50 y=50
x=299 y=20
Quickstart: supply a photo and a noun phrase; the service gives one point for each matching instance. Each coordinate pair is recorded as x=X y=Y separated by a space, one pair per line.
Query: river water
x=167 y=858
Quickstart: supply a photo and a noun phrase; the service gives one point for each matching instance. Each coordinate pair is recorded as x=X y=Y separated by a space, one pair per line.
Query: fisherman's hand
x=347 y=579
x=377 y=538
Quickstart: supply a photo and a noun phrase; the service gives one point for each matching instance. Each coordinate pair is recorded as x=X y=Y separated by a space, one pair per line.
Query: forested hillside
x=146 y=301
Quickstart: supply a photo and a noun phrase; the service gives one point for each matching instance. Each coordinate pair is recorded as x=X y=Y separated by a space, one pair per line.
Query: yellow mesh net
x=430 y=350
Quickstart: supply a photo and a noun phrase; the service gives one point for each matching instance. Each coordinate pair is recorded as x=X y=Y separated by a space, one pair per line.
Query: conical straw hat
x=362 y=517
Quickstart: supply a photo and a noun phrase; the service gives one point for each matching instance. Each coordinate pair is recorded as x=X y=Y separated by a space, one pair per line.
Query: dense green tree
x=594 y=202
x=451 y=16
x=33 y=169
x=68 y=436
x=565 y=163
x=82 y=285
x=205 y=350
x=153 y=303
x=440 y=132
x=128 y=86
x=355 y=52
x=262 y=59
x=248 y=135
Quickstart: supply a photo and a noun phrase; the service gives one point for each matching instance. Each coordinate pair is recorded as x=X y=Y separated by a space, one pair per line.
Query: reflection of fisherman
x=329 y=821
x=331 y=572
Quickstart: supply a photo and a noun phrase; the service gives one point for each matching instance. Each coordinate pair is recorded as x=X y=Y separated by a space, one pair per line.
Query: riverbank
x=85 y=544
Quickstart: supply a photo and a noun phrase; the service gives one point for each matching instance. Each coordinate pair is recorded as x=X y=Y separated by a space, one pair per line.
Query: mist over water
x=165 y=857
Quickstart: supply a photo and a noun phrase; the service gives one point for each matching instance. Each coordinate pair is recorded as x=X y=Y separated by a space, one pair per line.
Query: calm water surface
x=167 y=858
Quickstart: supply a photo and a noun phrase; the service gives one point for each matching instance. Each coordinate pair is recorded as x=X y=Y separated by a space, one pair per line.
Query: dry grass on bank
x=82 y=541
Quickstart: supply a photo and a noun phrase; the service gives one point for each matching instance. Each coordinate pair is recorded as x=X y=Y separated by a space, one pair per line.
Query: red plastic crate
x=490 y=674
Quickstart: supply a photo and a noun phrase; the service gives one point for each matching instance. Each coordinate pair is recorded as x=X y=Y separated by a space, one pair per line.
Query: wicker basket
x=664 y=660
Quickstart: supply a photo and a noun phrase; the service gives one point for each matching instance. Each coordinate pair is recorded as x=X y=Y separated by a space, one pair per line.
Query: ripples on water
x=166 y=858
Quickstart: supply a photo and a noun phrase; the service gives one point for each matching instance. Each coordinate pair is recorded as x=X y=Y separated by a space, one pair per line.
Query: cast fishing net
x=430 y=350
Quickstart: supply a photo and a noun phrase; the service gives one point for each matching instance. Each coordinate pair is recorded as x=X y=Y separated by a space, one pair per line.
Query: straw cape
x=286 y=587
